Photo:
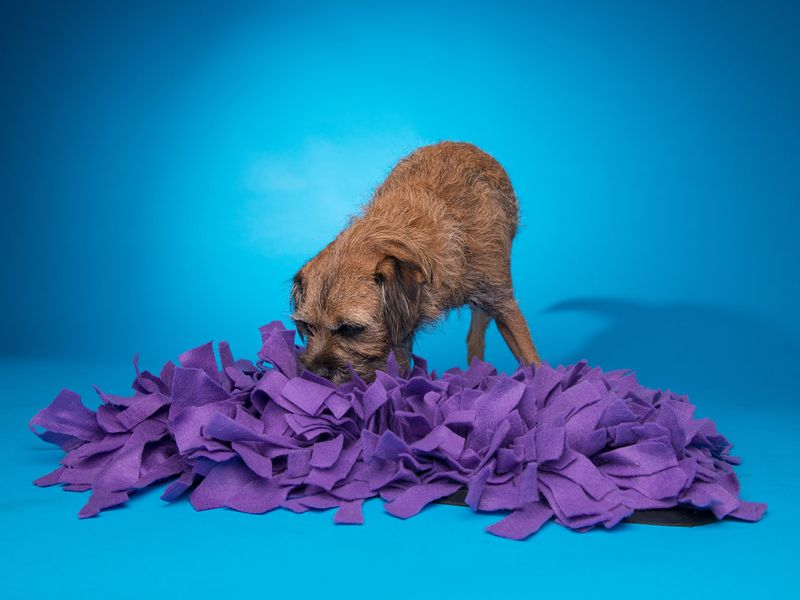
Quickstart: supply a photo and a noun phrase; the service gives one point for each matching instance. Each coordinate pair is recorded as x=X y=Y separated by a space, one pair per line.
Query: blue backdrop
x=165 y=168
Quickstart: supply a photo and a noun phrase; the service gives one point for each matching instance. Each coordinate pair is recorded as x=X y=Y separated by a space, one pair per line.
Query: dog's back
x=462 y=199
x=470 y=183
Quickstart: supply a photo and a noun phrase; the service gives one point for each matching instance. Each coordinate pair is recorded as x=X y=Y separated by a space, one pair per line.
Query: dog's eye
x=349 y=330
x=303 y=328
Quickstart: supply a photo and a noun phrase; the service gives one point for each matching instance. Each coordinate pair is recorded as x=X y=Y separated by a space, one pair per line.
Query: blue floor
x=153 y=549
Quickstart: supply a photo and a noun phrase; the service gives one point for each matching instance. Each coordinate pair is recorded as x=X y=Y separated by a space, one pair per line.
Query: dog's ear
x=401 y=282
x=296 y=295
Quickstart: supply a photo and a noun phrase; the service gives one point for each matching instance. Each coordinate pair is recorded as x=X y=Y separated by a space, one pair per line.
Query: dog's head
x=356 y=303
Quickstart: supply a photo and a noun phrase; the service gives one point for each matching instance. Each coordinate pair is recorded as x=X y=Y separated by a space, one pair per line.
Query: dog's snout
x=325 y=371
x=320 y=366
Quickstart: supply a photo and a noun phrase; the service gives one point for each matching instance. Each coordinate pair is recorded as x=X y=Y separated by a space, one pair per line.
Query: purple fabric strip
x=414 y=499
x=522 y=523
x=349 y=513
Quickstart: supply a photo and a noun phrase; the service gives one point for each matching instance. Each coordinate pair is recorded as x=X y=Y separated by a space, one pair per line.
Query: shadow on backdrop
x=692 y=349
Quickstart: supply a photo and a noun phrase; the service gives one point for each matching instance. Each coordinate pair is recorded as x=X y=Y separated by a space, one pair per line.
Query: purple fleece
x=573 y=444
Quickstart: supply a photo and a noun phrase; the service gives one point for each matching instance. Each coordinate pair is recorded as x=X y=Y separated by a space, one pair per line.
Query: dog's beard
x=363 y=369
x=344 y=367
x=341 y=375
x=366 y=369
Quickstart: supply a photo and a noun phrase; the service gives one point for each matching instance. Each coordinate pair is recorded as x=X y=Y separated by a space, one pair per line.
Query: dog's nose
x=323 y=369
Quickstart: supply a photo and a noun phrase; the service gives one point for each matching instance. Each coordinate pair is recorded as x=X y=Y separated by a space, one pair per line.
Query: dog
x=436 y=235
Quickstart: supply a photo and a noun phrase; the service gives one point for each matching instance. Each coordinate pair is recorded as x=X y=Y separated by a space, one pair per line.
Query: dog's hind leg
x=515 y=332
x=476 y=337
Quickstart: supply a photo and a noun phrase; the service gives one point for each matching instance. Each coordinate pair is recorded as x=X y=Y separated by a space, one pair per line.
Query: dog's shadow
x=691 y=348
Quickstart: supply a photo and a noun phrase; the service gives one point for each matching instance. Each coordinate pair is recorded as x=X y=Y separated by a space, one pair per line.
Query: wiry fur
x=436 y=235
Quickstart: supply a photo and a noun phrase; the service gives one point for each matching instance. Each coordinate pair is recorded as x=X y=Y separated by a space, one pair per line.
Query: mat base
x=671 y=517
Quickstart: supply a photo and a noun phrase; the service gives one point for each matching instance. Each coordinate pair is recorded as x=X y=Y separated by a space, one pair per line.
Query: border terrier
x=436 y=235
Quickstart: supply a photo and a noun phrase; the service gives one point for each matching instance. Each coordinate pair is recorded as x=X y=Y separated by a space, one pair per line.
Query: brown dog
x=436 y=235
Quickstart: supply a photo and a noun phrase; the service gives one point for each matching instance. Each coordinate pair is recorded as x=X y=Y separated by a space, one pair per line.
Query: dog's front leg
x=476 y=338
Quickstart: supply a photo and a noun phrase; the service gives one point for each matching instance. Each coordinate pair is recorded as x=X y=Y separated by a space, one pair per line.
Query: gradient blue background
x=165 y=169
